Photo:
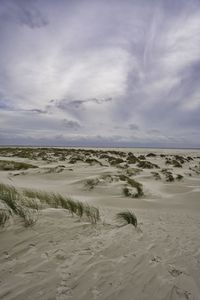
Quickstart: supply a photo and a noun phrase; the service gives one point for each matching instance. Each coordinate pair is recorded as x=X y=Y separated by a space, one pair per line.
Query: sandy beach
x=66 y=257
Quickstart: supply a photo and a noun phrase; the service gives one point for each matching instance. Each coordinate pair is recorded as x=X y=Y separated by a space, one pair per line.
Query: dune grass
x=143 y=164
x=128 y=217
x=27 y=204
x=9 y=165
x=12 y=204
x=134 y=184
x=50 y=199
x=92 y=213
x=5 y=213
x=179 y=177
x=91 y=183
x=156 y=175
x=126 y=192
x=73 y=206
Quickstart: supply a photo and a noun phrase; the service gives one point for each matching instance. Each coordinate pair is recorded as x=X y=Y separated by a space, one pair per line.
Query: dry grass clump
x=174 y=162
x=107 y=177
x=168 y=175
x=32 y=203
x=141 y=157
x=137 y=185
x=5 y=213
x=151 y=155
x=144 y=164
x=46 y=198
x=91 y=183
x=179 y=177
x=133 y=171
x=12 y=204
x=156 y=175
x=115 y=161
x=81 y=209
x=134 y=184
x=29 y=216
x=131 y=158
x=92 y=213
x=74 y=159
x=93 y=161
x=9 y=165
x=126 y=192
x=180 y=158
x=128 y=217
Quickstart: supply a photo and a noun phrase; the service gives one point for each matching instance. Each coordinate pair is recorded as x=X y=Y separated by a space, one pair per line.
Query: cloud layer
x=100 y=73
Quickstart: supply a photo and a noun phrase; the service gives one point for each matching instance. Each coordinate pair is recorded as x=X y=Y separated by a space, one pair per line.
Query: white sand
x=63 y=258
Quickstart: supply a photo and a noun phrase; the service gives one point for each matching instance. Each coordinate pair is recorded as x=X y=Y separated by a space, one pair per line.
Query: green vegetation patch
x=27 y=204
x=9 y=165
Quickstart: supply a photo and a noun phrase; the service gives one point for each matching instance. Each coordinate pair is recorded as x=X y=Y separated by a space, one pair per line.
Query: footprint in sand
x=156 y=259
x=96 y=293
x=176 y=291
x=60 y=254
x=175 y=272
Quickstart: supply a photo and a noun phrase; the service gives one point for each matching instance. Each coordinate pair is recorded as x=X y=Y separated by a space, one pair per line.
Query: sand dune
x=63 y=257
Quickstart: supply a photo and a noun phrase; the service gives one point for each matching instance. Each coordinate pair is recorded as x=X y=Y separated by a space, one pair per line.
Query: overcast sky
x=100 y=72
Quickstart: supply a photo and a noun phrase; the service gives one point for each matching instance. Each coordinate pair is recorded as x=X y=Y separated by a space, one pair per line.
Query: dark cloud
x=23 y=12
x=39 y=111
x=3 y=105
x=154 y=131
x=69 y=124
x=66 y=104
x=134 y=127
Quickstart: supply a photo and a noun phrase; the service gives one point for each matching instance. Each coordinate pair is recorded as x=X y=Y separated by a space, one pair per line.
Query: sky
x=101 y=73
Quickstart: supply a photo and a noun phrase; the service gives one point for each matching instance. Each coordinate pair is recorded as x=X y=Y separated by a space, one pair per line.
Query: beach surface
x=66 y=257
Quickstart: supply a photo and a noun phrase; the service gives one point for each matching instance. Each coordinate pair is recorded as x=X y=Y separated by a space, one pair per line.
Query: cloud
x=127 y=74
x=23 y=12
x=76 y=104
x=69 y=124
x=133 y=127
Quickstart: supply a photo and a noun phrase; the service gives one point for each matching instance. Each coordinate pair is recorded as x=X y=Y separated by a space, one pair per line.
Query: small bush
x=126 y=192
x=75 y=159
x=136 y=185
x=156 y=175
x=93 y=161
x=179 y=177
x=169 y=177
x=128 y=216
x=91 y=183
x=133 y=171
x=151 y=155
x=173 y=162
x=131 y=158
x=142 y=157
x=114 y=161
x=147 y=165
x=133 y=183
